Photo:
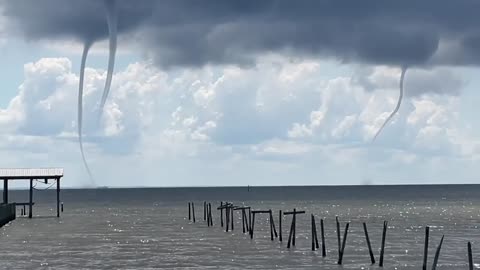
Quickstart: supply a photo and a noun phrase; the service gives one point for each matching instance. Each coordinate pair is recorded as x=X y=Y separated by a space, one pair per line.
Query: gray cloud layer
x=192 y=33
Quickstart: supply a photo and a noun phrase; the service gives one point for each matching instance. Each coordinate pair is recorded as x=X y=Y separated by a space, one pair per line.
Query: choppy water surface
x=149 y=228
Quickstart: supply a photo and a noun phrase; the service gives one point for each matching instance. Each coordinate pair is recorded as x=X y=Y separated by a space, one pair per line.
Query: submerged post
x=324 y=249
x=58 y=197
x=62 y=207
x=30 y=195
x=425 y=248
x=470 y=258
x=273 y=224
x=372 y=258
x=189 y=211
x=384 y=235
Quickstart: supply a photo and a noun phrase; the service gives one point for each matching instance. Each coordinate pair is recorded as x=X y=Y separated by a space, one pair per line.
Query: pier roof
x=30 y=173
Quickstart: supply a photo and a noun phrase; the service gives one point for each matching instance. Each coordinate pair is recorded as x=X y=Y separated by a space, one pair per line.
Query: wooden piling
x=437 y=254
x=372 y=258
x=470 y=258
x=322 y=231
x=280 y=224
x=425 y=248
x=382 y=250
x=342 y=251
x=189 y=211
x=193 y=212
x=221 y=214
x=62 y=207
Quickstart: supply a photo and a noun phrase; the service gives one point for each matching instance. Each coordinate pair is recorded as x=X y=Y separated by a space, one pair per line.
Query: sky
x=239 y=93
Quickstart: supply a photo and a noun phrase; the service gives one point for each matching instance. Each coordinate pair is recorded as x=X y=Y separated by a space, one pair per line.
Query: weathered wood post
x=382 y=250
x=425 y=248
x=58 y=197
x=30 y=205
x=280 y=224
x=271 y=224
x=342 y=251
x=372 y=258
x=437 y=254
x=470 y=258
x=324 y=249
x=62 y=207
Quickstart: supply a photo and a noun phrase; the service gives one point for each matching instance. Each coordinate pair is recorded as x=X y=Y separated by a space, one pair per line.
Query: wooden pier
x=31 y=175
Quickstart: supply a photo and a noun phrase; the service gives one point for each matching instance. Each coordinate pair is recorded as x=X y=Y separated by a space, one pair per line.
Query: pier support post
x=5 y=191
x=30 y=206
x=189 y=211
x=58 y=197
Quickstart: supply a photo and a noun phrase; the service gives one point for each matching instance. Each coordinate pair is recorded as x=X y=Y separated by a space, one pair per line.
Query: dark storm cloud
x=190 y=32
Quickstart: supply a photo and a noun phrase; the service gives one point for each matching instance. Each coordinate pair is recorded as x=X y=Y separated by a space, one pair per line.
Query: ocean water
x=149 y=228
